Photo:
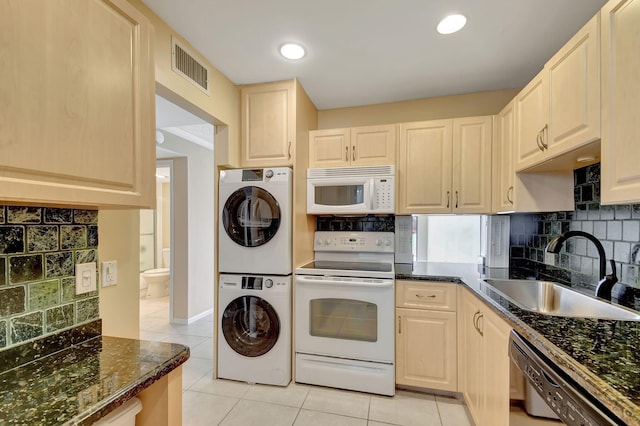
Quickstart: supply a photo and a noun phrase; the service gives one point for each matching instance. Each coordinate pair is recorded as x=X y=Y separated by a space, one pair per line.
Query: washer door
x=251 y=216
x=250 y=326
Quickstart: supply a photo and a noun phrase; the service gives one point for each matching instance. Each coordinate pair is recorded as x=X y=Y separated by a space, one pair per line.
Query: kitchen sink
x=555 y=299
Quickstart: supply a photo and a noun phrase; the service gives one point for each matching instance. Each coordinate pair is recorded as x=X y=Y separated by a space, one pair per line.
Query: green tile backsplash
x=39 y=247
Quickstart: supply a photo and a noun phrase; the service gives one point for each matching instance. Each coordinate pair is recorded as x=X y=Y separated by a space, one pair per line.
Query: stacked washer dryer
x=254 y=298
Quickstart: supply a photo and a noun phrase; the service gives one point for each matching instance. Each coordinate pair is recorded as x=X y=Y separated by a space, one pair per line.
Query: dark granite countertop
x=84 y=381
x=602 y=356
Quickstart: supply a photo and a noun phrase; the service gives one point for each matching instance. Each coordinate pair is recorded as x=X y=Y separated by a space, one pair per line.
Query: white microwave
x=351 y=190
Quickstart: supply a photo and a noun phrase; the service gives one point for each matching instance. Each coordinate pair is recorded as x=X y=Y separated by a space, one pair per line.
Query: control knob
x=268 y=283
x=378 y=242
x=387 y=242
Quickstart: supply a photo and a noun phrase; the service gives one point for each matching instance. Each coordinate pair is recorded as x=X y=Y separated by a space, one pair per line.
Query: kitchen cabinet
x=558 y=112
x=484 y=363
x=268 y=124
x=426 y=335
x=524 y=192
x=620 y=93
x=357 y=146
x=78 y=120
x=444 y=166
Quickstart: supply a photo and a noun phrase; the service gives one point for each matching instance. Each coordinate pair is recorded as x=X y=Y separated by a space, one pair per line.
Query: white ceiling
x=173 y=119
x=363 y=52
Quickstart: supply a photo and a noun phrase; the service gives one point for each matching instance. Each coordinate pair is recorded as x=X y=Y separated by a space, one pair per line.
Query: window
x=452 y=239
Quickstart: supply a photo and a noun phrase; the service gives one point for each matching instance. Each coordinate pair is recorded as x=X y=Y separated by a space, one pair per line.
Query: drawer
x=426 y=295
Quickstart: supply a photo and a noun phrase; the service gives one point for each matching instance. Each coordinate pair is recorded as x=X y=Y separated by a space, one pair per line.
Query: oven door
x=345 y=317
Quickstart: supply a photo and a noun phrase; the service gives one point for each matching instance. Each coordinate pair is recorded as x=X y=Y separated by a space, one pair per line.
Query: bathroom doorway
x=183 y=221
x=155 y=250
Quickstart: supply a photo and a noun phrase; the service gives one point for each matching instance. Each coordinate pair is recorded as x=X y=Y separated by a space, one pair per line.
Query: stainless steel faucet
x=606 y=282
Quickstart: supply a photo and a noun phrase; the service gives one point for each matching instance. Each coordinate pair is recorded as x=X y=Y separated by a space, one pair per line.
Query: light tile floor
x=229 y=403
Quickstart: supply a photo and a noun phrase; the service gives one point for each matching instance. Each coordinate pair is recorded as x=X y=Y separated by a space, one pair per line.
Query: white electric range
x=344 y=313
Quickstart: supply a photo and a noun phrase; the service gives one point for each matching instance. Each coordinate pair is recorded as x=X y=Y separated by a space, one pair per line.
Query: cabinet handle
x=289 y=150
x=448 y=198
x=543 y=136
x=478 y=324
x=475 y=318
x=456 y=199
x=539 y=141
x=509 y=195
x=399 y=325
x=353 y=153
x=346 y=153
x=420 y=296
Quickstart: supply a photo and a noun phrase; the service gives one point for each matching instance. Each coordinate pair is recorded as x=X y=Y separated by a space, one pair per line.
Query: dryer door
x=251 y=216
x=250 y=326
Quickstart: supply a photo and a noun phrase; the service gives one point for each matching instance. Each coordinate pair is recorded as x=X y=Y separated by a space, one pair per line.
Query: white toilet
x=157 y=280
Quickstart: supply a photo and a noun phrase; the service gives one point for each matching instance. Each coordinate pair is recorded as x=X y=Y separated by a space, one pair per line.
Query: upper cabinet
x=620 y=93
x=268 y=124
x=503 y=159
x=558 y=112
x=524 y=192
x=357 y=146
x=444 y=166
x=78 y=118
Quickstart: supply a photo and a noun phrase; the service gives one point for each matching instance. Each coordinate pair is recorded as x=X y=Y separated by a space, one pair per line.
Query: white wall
x=200 y=242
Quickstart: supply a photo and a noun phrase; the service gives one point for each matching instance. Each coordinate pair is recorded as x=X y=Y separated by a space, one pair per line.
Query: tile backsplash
x=39 y=247
x=617 y=227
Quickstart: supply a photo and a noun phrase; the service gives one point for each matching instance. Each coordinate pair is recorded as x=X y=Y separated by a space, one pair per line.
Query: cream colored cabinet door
x=620 y=93
x=373 y=145
x=472 y=142
x=329 y=148
x=573 y=76
x=77 y=118
x=503 y=160
x=425 y=167
x=497 y=366
x=532 y=107
x=268 y=125
x=471 y=358
x=426 y=349
x=357 y=146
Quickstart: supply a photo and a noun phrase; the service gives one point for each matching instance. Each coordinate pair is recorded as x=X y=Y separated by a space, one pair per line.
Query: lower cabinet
x=484 y=363
x=426 y=335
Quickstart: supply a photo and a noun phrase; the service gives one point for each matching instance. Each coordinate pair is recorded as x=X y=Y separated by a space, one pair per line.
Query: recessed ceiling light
x=451 y=24
x=292 y=51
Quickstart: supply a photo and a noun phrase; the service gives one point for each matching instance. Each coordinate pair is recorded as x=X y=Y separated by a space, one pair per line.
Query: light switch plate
x=86 y=277
x=109 y=273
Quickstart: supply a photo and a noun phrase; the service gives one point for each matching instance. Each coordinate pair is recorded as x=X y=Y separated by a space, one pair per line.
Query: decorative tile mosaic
x=39 y=247
x=617 y=227
x=368 y=223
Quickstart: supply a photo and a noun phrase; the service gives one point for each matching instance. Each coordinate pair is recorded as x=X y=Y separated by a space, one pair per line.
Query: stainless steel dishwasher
x=572 y=404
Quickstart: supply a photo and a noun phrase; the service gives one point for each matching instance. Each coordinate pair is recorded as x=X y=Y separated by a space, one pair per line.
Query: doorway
x=183 y=221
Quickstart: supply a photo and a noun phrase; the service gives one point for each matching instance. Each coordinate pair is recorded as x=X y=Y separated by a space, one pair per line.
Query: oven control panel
x=377 y=242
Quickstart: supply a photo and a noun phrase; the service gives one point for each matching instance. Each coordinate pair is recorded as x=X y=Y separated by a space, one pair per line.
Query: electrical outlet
x=86 y=277
x=109 y=274
x=88 y=397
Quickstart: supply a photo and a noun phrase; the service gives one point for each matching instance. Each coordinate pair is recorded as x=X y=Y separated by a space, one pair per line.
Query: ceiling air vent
x=184 y=63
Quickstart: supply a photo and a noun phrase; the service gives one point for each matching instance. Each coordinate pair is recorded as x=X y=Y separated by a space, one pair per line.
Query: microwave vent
x=186 y=65
x=351 y=171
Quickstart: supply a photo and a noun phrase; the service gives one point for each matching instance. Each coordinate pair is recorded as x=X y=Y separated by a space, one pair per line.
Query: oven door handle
x=385 y=283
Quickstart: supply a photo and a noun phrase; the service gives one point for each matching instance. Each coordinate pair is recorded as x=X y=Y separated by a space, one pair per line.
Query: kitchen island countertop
x=600 y=355
x=84 y=381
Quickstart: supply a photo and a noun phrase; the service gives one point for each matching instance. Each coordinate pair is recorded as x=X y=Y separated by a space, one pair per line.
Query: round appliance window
x=250 y=326
x=251 y=216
